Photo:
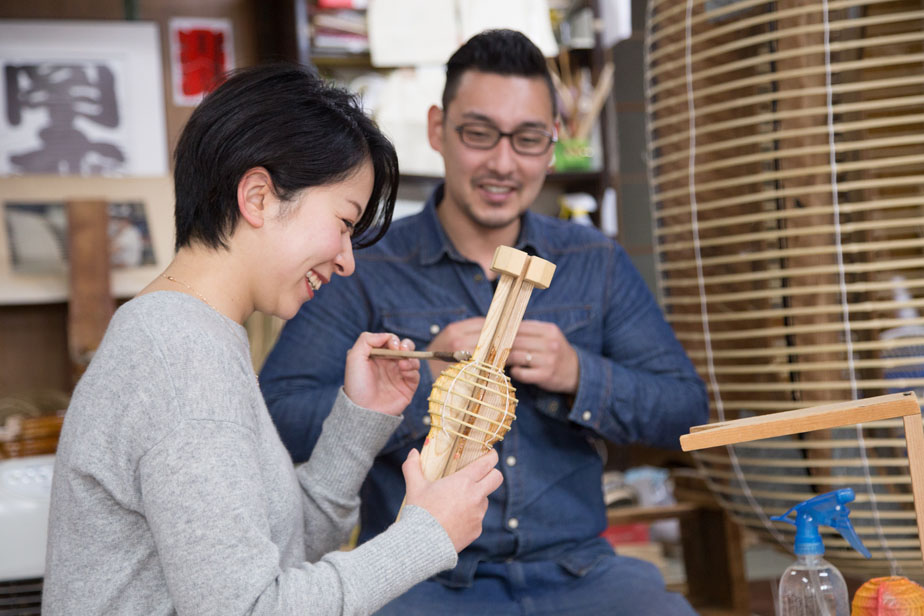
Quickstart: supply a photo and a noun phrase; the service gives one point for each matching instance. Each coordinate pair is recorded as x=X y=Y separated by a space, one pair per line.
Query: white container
x=813 y=587
x=25 y=493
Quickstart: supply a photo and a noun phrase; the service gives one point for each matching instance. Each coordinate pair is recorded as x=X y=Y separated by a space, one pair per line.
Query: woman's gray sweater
x=172 y=492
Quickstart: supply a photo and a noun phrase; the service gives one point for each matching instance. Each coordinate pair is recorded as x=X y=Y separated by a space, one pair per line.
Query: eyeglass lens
x=531 y=141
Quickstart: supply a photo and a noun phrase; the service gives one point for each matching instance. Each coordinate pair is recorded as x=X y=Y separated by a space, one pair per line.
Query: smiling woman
x=172 y=491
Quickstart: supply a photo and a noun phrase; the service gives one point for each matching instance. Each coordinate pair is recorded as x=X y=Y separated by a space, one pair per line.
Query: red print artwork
x=202 y=58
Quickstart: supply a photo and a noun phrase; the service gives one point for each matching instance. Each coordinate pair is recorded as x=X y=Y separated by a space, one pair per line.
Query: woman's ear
x=255 y=193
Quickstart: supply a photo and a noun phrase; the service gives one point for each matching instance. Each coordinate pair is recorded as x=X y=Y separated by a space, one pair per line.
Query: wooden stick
x=772 y=216
x=752 y=61
x=745 y=24
x=729 y=162
x=769 y=176
x=801 y=420
x=600 y=94
x=753 y=121
x=776 y=34
x=761 y=196
x=451 y=356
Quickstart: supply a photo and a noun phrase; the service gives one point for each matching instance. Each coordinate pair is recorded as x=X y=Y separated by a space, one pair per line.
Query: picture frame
x=81 y=98
x=46 y=280
x=201 y=52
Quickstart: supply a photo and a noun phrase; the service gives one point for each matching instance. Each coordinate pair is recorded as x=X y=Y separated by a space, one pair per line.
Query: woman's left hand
x=380 y=384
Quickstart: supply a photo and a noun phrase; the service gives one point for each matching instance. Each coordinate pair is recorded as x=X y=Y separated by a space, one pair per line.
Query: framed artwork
x=33 y=233
x=201 y=52
x=37 y=236
x=81 y=99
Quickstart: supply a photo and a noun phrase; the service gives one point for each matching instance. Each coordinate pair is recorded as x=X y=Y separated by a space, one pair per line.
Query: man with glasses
x=593 y=358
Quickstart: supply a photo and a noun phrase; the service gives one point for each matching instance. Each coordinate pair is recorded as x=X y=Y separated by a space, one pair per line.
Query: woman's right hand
x=459 y=501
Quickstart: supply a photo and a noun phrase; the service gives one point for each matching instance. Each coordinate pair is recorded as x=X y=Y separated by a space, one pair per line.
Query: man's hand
x=542 y=356
x=458 y=336
x=382 y=384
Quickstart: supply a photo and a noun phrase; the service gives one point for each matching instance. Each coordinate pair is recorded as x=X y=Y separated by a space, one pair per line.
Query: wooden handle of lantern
x=538 y=274
x=511 y=264
x=519 y=274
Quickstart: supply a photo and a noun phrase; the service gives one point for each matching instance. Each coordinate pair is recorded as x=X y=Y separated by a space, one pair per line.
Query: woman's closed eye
x=349 y=226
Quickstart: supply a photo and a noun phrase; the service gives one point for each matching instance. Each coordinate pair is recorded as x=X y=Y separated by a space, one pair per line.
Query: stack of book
x=339 y=27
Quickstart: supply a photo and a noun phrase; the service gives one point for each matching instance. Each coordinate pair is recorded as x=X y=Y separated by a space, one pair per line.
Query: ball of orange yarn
x=888 y=596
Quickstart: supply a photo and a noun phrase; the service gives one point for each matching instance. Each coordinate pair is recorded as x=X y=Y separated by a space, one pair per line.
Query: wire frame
x=472 y=401
x=786 y=158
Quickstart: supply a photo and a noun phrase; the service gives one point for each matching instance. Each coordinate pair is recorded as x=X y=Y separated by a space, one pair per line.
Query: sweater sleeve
x=205 y=505
x=350 y=439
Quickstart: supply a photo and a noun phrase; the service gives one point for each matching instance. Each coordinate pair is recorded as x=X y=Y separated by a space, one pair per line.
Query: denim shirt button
x=511 y=461
x=434 y=329
x=553 y=406
x=479 y=277
x=586 y=416
x=512 y=523
x=426 y=420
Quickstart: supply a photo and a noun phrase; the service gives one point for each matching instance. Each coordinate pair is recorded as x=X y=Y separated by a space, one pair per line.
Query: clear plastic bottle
x=812 y=586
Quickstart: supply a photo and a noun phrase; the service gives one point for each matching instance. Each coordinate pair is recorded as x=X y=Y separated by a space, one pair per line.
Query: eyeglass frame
x=552 y=137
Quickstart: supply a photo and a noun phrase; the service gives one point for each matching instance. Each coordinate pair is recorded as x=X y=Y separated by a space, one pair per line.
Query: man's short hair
x=502 y=52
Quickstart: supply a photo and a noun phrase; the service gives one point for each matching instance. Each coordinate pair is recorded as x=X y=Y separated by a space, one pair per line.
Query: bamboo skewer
x=452 y=356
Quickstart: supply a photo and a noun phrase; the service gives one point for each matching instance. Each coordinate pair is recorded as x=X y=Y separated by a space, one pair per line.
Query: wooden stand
x=904 y=405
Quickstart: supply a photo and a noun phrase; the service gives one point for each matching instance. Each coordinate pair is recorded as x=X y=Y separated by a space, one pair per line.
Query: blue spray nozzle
x=828 y=509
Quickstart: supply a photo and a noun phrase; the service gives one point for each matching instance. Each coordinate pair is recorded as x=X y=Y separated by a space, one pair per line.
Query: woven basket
x=786 y=153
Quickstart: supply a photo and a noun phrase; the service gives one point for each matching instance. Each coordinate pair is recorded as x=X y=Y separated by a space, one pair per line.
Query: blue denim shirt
x=636 y=383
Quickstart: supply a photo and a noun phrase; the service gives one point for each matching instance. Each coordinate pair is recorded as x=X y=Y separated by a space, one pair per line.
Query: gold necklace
x=202 y=297
x=199 y=295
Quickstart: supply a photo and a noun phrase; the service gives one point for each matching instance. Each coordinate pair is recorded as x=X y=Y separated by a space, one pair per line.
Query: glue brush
x=441 y=355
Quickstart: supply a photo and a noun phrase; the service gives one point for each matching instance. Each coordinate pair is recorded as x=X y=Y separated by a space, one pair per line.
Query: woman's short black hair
x=501 y=52
x=303 y=131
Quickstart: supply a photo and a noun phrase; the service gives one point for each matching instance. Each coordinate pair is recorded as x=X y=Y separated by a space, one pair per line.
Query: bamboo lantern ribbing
x=787 y=173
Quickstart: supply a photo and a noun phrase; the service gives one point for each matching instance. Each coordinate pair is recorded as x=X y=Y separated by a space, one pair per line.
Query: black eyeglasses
x=526 y=141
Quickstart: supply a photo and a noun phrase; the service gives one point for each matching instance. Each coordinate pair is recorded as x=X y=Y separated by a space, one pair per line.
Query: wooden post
x=90 y=303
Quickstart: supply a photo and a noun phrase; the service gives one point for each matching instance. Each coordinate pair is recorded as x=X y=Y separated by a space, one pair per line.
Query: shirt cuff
x=595 y=393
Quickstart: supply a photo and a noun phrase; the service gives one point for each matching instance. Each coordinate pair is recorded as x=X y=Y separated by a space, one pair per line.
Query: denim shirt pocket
x=573 y=320
x=580 y=561
x=422 y=325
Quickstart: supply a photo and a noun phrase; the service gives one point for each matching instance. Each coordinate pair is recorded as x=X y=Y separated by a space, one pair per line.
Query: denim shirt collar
x=434 y=243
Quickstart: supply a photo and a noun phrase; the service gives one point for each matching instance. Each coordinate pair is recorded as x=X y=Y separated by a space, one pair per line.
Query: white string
x=842 y=283
x=704 y=310
x=494 y=373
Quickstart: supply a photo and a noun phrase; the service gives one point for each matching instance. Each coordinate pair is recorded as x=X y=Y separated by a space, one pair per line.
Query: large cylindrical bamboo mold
x=786 y=153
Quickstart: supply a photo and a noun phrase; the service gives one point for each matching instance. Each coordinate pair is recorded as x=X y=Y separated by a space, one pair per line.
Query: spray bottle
x=811 y=586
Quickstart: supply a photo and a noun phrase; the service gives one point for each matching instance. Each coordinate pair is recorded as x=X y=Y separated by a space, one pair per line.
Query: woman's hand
x=381 y=384
x=458 y=501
